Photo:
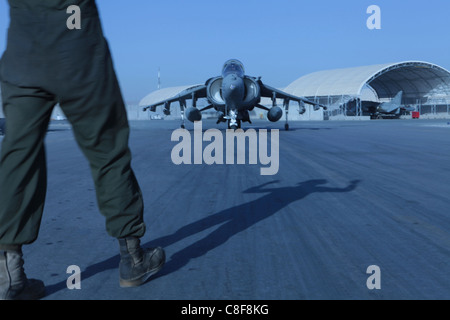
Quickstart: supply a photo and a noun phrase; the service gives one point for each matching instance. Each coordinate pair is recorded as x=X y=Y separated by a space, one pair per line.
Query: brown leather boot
x=14 y=284
x=137 y=265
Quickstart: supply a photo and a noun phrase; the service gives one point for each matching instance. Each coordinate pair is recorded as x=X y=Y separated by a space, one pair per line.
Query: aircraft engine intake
x=193 y=114
x=274 y=114
x=252 y=92
x=214 y=91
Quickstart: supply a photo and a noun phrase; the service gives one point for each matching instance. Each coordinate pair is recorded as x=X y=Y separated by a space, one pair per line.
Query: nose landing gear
x=233 y=122
x=235 y=125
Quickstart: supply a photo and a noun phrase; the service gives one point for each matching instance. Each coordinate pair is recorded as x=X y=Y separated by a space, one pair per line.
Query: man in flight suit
x=46 y=63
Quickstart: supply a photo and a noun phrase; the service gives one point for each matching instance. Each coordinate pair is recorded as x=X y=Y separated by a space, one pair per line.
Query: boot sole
x=137 y=282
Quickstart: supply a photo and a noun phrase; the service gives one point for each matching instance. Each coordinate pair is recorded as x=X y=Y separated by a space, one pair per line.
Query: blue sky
x=280 y=40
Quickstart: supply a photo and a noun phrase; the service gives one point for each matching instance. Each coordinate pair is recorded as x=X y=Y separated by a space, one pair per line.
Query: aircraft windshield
x=233 y=66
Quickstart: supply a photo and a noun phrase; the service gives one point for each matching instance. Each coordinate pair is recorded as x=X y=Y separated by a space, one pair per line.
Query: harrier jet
x=233 y=95
x=385 y=110
x=391 y=109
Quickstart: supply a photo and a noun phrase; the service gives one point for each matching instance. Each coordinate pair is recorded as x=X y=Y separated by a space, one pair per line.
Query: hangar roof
x=416 y=79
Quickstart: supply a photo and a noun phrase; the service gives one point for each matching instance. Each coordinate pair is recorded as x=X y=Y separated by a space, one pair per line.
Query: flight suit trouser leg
x=23 y=171
x=100 y=124
x=98 y=116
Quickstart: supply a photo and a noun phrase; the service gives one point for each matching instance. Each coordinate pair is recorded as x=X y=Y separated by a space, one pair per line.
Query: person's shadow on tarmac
x=232 y=221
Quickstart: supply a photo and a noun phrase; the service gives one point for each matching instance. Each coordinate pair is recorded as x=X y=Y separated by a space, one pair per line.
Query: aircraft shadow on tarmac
x=232 y=221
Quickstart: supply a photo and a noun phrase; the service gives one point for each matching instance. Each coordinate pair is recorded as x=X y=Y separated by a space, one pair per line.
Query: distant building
x=425 y=86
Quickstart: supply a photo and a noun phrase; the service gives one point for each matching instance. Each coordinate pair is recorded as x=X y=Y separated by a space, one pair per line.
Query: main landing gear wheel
x=286 y=127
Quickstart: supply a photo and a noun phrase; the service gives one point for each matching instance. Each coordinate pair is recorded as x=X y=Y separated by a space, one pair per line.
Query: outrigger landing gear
x=286 y=111
x=183 y=106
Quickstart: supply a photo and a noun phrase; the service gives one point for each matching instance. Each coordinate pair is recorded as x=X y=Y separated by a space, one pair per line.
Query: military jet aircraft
x=233 y=95
x=385 y=110
x=391 y=109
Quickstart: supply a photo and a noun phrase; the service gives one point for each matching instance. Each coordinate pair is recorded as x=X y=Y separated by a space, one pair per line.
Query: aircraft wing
x=270 y=92
x=195 y=92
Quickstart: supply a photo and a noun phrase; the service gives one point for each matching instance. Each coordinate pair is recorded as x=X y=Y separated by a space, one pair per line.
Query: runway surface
x=348 y=195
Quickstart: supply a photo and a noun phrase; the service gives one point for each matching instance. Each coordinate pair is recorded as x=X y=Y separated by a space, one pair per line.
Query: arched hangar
x=425 y=87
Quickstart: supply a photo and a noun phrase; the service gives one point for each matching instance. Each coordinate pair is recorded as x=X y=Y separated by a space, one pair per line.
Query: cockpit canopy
x=233 y=66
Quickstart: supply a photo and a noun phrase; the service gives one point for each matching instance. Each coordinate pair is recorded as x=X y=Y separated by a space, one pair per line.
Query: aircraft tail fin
x=398 y=99
x=394 y=104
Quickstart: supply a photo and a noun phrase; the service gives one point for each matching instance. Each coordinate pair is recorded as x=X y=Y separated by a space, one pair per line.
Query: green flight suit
x=46 y=63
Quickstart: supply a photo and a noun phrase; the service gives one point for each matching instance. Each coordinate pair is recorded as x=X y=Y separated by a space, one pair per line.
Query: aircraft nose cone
x=233 y=89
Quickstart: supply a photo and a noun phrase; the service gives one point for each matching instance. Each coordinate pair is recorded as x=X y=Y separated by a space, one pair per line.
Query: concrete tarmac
x=347 y=196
